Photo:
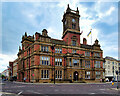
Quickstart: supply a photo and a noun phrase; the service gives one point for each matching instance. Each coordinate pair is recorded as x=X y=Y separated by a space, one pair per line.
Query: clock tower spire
x=71 y=26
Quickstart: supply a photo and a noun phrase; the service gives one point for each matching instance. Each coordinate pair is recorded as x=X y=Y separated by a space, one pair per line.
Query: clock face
x=73 y=20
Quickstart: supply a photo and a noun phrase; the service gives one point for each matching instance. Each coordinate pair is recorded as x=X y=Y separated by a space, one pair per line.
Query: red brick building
x=42 y=58
x=10 y=69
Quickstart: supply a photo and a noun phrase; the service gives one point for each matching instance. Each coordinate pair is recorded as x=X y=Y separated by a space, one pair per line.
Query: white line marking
x=101 y=89
x=5 y=93
x=33 y=92
x=92 y=93
x=36 y=92
x=20 y=92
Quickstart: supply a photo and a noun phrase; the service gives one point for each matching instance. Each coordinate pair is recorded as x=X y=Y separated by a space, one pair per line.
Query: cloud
x=100 y=12
x=4 y=60
x=107 y=12
x=109 y=44
x=57 y=0
x=37 y=16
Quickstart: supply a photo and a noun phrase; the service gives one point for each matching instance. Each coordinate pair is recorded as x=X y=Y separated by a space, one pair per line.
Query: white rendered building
x=111 y=66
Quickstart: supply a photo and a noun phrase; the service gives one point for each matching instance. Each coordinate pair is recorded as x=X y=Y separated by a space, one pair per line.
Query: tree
x=2 y=76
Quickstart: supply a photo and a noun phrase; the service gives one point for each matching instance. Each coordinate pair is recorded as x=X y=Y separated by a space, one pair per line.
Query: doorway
x=22 y=76
x=76 y=76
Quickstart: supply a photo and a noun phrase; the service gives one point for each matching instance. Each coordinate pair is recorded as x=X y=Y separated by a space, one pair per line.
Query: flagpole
x=91 y=36
x=91 y=55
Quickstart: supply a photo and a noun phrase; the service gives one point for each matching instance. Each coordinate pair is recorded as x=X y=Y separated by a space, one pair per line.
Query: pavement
x=7 y=93
x=58 y=83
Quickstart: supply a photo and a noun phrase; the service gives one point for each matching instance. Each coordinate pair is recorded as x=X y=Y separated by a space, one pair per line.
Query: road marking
x=2 y=83
x=101 y=89
x=36 y=92
x=5 y=93
x=33 y=92
x=19 y=86
x=20 y=92
x=92 y=93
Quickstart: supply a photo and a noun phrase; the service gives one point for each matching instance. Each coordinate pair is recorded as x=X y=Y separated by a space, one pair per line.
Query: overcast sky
x=31 y=17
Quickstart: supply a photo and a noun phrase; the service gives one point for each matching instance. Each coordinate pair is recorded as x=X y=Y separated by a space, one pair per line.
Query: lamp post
x=52 y=47
x=117 y=79
x=29 y=64
x=64 y=66
x=113 y=74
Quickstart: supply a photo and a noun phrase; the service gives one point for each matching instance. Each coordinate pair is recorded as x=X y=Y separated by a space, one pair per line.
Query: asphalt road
x=46 y=89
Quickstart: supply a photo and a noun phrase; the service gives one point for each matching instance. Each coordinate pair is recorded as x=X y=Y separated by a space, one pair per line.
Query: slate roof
x=56 y=41
x=110 y=58
x=86 y=46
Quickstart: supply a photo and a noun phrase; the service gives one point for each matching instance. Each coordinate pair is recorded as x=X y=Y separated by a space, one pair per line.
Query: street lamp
x=29 y=64
x=117 y=79
x=64 y=66
x=113 y=74
x=52 y=47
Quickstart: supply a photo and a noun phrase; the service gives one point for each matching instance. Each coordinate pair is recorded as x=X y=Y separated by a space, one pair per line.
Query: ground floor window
x=87 y=75
x=97 y=75
x=44 y=74
x=58 y=74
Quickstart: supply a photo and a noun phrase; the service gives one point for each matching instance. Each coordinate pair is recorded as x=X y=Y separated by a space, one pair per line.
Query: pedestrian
x=24 y=79
x=112 y=83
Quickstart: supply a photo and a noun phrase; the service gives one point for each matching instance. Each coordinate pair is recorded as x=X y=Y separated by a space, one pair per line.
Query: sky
x=20 y=17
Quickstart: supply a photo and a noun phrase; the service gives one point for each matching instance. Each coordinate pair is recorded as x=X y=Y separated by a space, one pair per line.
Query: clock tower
x=71 y=29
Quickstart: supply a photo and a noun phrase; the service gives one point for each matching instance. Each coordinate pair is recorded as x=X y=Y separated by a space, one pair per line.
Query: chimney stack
x=37 y=35
x=84 y=41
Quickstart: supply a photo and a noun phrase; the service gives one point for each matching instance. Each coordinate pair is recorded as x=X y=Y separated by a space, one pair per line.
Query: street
x=45 y=89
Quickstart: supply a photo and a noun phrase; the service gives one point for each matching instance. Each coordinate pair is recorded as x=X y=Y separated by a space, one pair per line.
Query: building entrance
x=22 y=76
x=75 y=76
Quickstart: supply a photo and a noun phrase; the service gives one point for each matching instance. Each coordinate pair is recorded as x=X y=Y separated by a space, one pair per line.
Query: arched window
x=73 y=23
x=73 y=26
